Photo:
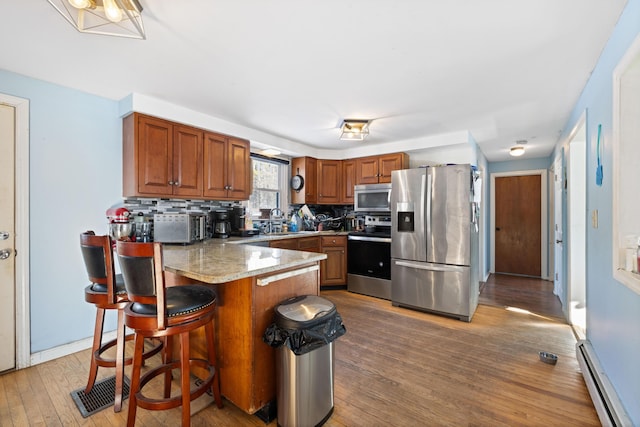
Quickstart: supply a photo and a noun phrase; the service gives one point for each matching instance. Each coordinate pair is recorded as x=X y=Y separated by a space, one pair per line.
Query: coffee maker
x=222 y=226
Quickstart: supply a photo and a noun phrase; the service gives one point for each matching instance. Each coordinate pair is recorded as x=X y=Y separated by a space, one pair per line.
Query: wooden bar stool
x=106 y=292
x=159 y=311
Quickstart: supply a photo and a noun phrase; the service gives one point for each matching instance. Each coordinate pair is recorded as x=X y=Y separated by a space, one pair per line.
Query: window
x=269 y=185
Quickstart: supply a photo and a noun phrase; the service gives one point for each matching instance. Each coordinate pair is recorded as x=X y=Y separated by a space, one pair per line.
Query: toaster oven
x=182 y=228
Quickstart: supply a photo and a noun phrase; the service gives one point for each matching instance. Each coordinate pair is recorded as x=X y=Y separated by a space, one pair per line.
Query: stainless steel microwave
x=372 y=198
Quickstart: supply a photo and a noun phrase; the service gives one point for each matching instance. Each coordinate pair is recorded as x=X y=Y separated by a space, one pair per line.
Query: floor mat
x=100 y=397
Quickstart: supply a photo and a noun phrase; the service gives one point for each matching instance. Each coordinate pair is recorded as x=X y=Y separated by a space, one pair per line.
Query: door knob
x=4 y=235
x=5 y=253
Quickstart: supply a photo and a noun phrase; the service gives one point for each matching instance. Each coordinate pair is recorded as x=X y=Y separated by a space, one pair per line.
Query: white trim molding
x=22 y=333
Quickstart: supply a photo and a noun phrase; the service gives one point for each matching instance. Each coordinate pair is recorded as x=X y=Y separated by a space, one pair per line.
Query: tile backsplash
x=149 y=207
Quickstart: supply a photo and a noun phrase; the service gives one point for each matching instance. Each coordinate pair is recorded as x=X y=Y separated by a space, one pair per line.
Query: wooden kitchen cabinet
x=227 y=167
x=307 y=168
x=333 y=270
x=377 y=169
x=160 y=158
x=348 y=181
x=329 y=181
x=165 y=159
x=284 y=244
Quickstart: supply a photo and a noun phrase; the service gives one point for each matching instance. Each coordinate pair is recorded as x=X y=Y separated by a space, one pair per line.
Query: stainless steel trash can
x=305 y=328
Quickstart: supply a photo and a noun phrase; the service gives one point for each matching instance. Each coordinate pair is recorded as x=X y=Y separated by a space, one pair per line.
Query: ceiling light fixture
x=517 y=151
x=354 y=130
x=121 y=18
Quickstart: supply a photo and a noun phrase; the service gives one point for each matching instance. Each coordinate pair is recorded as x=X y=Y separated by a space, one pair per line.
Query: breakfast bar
x=249 y=281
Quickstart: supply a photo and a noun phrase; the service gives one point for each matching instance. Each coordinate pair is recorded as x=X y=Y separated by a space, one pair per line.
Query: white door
x=7 y=238
x=558 y=276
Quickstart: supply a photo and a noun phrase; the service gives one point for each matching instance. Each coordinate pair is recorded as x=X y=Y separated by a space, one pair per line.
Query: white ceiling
x=503 y=70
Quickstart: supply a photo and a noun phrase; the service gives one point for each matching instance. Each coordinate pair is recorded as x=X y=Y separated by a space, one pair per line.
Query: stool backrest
x=141 y=265
x=98 y=259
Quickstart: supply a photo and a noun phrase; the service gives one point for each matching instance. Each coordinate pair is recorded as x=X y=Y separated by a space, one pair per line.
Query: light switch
x=594 y=218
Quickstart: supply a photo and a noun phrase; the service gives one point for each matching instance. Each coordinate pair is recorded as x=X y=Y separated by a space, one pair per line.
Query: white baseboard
x=67 y=349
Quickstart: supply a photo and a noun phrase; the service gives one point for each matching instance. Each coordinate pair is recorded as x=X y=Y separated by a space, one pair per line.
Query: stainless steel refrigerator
x=434 y=240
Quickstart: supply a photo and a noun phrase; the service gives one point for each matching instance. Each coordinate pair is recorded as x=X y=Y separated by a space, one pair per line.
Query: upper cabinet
x=307 y=168
x=227 y=167
x=329 y=181
x=377 y=169
x=165 y=159
x=348 y=181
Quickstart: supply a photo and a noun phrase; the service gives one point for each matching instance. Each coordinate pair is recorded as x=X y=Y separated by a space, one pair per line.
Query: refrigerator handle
x=429 y=266
x=427 y=215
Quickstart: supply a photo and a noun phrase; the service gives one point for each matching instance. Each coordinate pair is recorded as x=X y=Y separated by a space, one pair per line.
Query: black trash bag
x=306 y=339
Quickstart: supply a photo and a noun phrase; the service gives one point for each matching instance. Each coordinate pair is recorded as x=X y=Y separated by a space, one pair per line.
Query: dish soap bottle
x=293 y=224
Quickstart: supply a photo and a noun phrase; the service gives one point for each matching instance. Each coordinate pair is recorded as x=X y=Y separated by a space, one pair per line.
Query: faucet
x=275 y=215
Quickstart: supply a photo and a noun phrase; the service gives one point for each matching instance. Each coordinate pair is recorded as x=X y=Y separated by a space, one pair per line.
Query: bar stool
x=106 y=292
x=159 y=311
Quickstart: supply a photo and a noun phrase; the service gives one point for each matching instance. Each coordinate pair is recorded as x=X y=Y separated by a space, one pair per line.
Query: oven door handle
x=370 y=239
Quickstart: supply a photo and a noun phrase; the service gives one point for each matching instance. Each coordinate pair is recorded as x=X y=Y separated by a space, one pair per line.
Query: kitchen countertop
x=278 y=236
x=224 y=260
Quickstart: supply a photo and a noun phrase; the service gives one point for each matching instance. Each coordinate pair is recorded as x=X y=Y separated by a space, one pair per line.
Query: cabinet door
x=309 y=244
x=329 y=181
x=239 y=172
x=311 y=185
x=155 y=156
x=284 y=244
x=187 y=161
x=333 y=270
x=391 y=162
x=348 y=181
x=367 y=170
x=215 y=166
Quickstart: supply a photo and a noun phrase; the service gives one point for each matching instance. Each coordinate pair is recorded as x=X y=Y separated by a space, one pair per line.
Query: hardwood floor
x=394 y=367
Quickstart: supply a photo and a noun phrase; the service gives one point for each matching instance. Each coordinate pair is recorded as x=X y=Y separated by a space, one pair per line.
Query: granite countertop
x=217 y=261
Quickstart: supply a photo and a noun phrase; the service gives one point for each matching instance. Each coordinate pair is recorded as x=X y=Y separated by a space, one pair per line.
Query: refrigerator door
x=439 y=288
x=449 y=215
x=408 y=221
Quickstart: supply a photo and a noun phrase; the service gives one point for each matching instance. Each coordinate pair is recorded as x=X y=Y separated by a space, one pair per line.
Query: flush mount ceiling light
x=354 y=130
x=119 y=18
x=517 y=151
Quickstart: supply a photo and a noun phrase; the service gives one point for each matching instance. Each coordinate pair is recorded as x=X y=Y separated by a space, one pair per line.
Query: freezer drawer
x=445 y=289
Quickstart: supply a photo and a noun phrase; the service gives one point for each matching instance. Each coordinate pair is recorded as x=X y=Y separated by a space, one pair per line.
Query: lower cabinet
x=333 y=270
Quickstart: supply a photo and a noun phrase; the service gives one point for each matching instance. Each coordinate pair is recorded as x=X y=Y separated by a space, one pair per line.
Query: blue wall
x=75 y=175
x=613 y=310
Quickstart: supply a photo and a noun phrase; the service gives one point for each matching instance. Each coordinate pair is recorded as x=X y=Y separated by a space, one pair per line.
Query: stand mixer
x=121 y=226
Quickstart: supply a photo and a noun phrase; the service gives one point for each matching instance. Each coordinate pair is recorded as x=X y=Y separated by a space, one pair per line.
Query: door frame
x=544 y=261
x=22 y=333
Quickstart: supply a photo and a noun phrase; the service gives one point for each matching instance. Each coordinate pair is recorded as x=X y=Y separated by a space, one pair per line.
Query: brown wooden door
x=329 y=181
x=187 y=161
x=215 y=168
x=239 y=172
x=518 y=237
x=310 y=180
x=155 y=160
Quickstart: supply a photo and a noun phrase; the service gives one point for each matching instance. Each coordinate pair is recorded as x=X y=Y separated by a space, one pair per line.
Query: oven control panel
x=377 y=220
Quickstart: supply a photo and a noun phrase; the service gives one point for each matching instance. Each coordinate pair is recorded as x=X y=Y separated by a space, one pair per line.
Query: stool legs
x=120 y=339
x=135 y=379
x=185 y=380
x=97 y=340
x=211 y=350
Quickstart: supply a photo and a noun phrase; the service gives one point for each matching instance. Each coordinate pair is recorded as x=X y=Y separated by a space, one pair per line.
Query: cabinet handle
x=286 y=275
x=229 y=188
x=170 y=182
x=177 y=183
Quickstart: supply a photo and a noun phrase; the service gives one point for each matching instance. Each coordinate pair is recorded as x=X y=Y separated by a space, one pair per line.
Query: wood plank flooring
x=393 y=367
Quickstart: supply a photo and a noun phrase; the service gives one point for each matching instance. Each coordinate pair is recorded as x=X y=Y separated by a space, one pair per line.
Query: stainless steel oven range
x=369 y=257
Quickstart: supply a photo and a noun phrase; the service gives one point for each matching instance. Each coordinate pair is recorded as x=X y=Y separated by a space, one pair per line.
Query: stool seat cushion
x=180 y=300
x=120 y=289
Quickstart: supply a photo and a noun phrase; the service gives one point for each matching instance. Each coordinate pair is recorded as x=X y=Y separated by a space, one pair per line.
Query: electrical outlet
x=594 y=218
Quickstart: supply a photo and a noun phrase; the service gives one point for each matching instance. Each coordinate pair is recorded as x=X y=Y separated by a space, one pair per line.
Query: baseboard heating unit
x=604 y=397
